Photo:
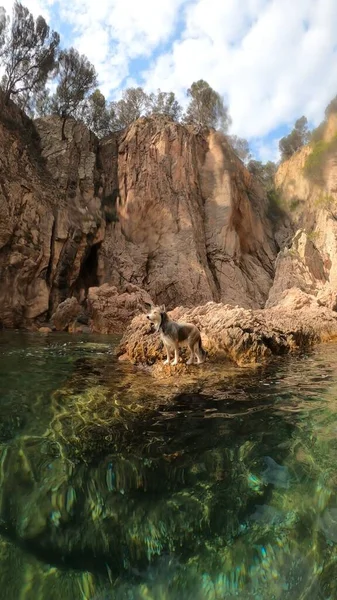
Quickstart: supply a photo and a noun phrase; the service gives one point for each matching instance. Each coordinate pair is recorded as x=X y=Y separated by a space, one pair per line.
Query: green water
x=113 y=486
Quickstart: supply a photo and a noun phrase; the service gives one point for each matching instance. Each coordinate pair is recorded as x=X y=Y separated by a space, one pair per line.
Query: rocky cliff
x=192 y=223
x=157 y=206
x=302 y=301
x=307 y=190
x=49 y=218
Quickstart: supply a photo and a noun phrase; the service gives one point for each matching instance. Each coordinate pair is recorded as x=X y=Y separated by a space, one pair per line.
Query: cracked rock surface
x=246 y=337
x=156 y=206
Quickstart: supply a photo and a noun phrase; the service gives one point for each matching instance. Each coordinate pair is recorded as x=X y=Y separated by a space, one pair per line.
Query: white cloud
x=273 y=60
x=114 y=32
x=266 y=150
x=36 y=7
x=110 y=32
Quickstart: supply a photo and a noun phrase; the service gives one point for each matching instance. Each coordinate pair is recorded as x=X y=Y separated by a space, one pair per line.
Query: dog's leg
x=191 y=359
x=168 y=359
x=199 y=354
x=176 y=354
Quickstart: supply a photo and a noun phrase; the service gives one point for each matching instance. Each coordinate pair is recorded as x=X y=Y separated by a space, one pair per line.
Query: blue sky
x=273 y=60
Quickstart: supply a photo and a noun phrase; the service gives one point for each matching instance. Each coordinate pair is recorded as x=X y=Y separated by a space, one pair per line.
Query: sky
x=272 y=60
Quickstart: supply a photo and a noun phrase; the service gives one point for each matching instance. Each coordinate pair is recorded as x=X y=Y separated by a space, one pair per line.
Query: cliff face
x=310 y=195
x=46 y=226
x=157 y=206
x=192 y=221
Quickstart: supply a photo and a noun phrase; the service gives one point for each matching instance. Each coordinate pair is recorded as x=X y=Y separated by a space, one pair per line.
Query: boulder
x=111 y=310
x=66 y=314
x=247 y=337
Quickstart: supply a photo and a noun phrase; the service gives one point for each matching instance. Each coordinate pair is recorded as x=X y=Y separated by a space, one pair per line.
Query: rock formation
x=111 y=310
x=299 y=266
x=49 y=221
x=308 y=191
x=66 y=314
x=158 y=211
x=247 y=337
x=303 y=297
x=157 y=206
x=192 y=223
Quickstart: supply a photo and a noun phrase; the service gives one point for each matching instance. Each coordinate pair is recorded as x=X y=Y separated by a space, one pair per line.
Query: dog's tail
x=202 y=350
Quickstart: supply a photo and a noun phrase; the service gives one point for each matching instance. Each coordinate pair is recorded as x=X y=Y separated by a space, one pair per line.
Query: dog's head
x=155 y=314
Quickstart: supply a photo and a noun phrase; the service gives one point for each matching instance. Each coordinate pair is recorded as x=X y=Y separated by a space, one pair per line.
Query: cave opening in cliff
x=88 y=275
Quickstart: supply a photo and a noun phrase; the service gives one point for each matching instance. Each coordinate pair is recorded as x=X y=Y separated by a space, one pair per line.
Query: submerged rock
x=45 y=329
x=66 y=314
x=275 y=474
x=328 y=524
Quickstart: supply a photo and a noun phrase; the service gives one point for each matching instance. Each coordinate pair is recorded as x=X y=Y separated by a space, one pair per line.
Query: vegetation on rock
x=265 y=173
x=76 y=79
x=33 y=63
x=297 y=138
x=328 y=203
x=28 y=55
x=316 y=160
x=240 y=147
x=206 y=107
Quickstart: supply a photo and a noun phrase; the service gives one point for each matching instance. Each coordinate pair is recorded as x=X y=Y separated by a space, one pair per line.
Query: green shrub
x=318 y=133
x=275 y=207
x=294 y=203
x=331 y=108
x=314 y=164
x=328 y=203
x=313 y=236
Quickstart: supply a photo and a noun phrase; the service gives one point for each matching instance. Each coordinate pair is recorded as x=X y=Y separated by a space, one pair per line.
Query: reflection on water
x=114 y=487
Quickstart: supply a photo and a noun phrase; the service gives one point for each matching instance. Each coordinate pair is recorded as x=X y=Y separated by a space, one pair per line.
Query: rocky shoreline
x=246 y=337
x=92 y=230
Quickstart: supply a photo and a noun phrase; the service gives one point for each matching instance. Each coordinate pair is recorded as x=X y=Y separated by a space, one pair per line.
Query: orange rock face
x=111 y=310
x=157 y=206
x=49 y=220
x=192 y=224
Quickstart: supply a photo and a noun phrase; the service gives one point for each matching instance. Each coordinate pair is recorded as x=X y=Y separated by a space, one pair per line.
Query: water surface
x=112 y=487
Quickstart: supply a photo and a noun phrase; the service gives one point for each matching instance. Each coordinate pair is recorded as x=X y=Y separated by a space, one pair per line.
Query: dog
x=173 y=334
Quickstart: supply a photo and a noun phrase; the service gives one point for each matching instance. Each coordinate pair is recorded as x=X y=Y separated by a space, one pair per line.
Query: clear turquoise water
x=110 y=488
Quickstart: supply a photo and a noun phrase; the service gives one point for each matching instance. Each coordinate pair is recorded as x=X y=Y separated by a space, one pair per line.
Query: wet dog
x=173 y=334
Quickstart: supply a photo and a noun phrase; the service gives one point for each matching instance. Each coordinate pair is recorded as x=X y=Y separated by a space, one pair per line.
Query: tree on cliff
x=98 y=115
x=206 y=107
x=240 y=147
x=4 y=22
x=131 y=106
x=297 y=138
x=76 y=79
x=42 y=104
x=164 y=103
x=331 y=108
x=265 y=173
x=28 y=54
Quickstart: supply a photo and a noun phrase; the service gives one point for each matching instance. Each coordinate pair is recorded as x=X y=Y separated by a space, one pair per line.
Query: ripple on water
x=113 y=487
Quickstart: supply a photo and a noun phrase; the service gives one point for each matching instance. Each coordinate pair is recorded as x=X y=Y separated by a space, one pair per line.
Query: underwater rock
x=24 y=576
x=45 y=330
x=120 y=511
x=267 y=515
x=328 y=524
x=275 y=474
x=66 y=314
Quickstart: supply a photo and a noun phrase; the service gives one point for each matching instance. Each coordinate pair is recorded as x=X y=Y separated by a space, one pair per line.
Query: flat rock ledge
x=246 y=337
